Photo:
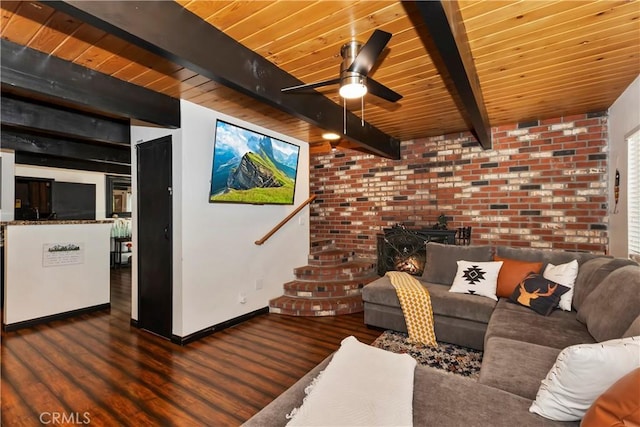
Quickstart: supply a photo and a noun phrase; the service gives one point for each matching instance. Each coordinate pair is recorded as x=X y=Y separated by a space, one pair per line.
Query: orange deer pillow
x=513 y=272
x=539 y=294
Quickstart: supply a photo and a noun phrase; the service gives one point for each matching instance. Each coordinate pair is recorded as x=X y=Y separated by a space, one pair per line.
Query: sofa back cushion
x=613 y=305
x=591 y=273
x=442 y=260
x=545 y=256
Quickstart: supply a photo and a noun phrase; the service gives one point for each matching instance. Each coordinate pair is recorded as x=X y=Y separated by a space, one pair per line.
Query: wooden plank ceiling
x=534 y=59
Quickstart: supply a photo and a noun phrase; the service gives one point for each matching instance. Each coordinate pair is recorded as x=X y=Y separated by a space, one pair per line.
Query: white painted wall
x=624 y=119
x=7 y=201
x=220 y=258
x=69 y=175
x=33 y=291
x=215 y=258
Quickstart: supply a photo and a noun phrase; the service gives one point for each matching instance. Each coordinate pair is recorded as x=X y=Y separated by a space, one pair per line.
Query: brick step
x=314 y=289
x=347 y=271
x=331 y=257
x=321 y=245
x=293 y=306
x=330 y=285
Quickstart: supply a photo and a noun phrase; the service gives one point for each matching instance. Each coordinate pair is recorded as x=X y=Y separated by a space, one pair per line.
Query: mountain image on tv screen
x=249 y=167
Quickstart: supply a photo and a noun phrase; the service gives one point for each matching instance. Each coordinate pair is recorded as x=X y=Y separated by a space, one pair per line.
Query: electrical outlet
x=242 y=298
x=259 y=284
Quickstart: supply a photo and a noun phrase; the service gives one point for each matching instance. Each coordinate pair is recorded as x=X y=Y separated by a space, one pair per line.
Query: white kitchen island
x=54 y=269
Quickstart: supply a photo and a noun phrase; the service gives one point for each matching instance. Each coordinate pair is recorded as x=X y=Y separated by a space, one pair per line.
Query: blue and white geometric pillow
x=477 y=278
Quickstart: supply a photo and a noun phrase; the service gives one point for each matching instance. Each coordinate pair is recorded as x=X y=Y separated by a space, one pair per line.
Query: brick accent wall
x=543 y=185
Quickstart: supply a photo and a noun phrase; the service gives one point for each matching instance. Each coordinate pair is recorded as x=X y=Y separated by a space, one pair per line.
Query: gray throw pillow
x=613 y=305
x=441 y=265
x=591 y=273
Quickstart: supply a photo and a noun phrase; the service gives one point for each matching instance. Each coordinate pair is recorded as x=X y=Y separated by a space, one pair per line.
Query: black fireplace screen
x=403 y=249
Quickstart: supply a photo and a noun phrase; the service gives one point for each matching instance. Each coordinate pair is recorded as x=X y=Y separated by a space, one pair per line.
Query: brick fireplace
x=403 y=249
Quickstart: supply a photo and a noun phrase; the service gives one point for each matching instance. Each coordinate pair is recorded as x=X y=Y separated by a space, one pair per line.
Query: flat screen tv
x=250 y=167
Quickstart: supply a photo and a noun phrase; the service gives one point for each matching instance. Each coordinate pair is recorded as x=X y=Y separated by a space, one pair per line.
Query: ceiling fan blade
x=382 y=91
x=369 y=53
x=310 y=85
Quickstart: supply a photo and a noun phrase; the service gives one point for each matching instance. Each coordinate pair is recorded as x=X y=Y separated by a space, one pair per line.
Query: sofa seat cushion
x=447 y=400
x=516 y=366
x=559 y=330
x=444 y=303
x=380 y=291
x=465 y=333
x=461 y=306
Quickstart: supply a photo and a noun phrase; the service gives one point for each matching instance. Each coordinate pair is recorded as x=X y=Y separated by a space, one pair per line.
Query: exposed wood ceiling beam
x=42 y=118
x=444 y=23
x=174 y=33
x=38 y=159
x=20 y=141
x=27 y=71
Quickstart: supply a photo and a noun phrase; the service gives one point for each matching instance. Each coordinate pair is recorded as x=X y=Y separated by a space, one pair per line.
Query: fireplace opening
x=412 y=265
x=403 y=249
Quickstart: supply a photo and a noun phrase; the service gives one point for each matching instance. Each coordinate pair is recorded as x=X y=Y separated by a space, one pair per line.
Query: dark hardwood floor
x=98 y=368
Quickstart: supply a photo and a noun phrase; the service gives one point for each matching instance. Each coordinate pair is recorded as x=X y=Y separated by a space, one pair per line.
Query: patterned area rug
x=451 y=358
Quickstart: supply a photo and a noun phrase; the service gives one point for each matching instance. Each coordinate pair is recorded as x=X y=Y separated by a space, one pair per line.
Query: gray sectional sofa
x=520 y=346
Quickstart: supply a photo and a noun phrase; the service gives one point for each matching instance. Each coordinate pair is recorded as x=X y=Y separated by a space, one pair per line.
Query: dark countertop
x=57 y=222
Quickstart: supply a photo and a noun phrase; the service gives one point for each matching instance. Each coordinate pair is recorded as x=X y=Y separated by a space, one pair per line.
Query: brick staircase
x=331 y=284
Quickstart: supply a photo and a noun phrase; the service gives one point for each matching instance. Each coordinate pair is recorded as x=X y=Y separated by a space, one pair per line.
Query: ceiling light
x=330 y=136
x=353 y=87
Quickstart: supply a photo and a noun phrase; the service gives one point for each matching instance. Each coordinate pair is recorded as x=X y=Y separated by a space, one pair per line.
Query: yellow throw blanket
x=416 y=307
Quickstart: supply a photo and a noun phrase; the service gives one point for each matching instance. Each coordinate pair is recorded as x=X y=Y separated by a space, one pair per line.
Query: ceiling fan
x=357 y=62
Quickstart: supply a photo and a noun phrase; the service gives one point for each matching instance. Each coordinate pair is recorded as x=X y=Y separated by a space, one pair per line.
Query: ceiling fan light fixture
x=330 y=136
x=353 y=87
x=357 y=61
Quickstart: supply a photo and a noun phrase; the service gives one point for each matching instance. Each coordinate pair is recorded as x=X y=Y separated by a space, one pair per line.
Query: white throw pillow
x=582 y=373
x=564 y=274
x=477 y=278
